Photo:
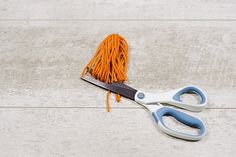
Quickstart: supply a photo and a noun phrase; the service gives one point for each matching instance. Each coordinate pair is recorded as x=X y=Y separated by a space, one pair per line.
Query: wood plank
x=41 y=62
x=91 y=132
x=118 y=9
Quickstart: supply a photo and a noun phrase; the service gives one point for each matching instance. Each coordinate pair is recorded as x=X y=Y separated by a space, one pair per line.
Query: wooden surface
x=47 y=111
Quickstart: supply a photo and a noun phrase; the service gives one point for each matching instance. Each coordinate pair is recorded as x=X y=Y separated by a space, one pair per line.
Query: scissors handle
x=173 y=98
x=182 y=118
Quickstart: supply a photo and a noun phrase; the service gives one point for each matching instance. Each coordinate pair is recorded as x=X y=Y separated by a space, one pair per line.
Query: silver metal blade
x=118 y=88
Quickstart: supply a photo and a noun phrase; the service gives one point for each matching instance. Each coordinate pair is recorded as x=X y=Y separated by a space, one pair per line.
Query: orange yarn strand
x=107 y=101
x=109 y=64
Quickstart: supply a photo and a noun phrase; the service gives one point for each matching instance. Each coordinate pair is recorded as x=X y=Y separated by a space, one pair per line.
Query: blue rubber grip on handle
x=190 y=89
x=183 y=118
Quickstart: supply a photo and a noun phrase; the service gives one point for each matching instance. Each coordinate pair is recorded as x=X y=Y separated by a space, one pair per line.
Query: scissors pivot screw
x=141 y=95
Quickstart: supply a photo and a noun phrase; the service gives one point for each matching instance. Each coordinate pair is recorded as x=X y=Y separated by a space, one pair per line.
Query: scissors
x=153 y=102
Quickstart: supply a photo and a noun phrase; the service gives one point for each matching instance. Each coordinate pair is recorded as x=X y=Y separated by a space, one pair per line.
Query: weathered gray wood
x=41 y=62
x=91 y=132
x=46 y=110
x=118 y=9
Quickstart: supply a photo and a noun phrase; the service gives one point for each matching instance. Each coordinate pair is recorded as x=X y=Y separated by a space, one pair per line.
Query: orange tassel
x=109 y=64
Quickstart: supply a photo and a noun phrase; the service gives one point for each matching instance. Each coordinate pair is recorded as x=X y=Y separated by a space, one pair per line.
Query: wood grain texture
x=47 y=111
x=41 y=62
x=91 y=132
x=118 y=9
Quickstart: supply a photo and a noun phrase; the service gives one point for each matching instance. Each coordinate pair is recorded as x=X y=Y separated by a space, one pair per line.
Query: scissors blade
x=118 y=88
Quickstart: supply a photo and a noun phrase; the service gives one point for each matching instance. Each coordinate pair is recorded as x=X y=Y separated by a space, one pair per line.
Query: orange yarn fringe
x=109 y=64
